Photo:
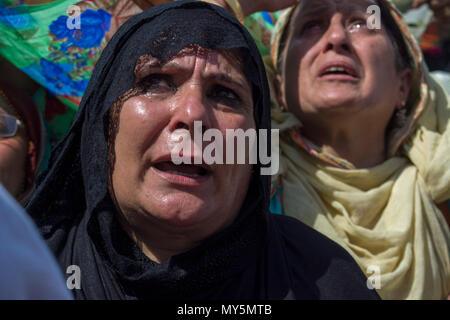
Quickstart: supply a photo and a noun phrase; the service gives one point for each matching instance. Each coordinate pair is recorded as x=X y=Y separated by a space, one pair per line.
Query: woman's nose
x=189 y=109
x=336 y=37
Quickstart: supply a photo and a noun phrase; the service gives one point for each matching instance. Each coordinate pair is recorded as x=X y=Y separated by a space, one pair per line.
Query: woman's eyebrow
x=146 y=64
x=304 y=14
x=225 y=78
x=173 y=67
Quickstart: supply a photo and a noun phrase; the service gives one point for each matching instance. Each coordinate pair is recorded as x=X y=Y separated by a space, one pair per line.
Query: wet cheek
x=137 y=111
x=140 y=122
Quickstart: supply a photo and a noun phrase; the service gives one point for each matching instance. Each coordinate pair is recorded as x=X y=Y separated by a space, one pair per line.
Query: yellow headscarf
x=385 y=216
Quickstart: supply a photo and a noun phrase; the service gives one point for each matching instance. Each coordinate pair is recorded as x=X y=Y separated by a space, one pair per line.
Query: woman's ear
x=280 y=91
x=405 y=78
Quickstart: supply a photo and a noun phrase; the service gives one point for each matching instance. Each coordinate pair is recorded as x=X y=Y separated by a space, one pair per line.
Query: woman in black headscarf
x=103 y=204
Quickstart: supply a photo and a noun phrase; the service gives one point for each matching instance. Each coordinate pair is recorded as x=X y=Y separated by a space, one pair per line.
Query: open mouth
x=190 y=175
x=185 y=170
x=339 y=70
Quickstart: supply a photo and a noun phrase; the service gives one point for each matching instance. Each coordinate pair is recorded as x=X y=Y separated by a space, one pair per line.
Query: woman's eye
x=311 y=26
x=357 y=24
x=157 y=83
x=225 y=95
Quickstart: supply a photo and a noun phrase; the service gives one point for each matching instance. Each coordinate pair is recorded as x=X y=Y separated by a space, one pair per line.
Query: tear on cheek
x=140 y=108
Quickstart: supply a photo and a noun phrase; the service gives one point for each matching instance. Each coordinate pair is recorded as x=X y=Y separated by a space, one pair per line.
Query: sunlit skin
x=169 y=213
x=353 y=135
x=13 y=155
x=347 y=115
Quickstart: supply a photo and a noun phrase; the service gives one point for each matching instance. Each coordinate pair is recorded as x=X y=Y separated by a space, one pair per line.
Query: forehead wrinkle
x=223 y=70
x=213 y=70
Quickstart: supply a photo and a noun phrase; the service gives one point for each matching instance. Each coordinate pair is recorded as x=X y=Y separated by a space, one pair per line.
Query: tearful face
x=195 y=85
x=337 y=65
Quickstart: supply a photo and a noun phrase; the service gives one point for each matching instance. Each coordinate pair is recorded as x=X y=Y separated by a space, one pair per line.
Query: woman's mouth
x=183 y=174
x=338 y=71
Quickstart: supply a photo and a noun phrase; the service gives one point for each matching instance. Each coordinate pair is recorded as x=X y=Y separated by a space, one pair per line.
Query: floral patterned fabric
x=47 y=44
x=37 y=40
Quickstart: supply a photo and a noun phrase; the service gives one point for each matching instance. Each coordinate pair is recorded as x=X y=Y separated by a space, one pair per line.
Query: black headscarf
x=258 y=257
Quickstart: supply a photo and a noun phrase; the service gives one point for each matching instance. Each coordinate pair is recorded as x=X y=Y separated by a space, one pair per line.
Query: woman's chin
x=338 y=104
x=179 y=209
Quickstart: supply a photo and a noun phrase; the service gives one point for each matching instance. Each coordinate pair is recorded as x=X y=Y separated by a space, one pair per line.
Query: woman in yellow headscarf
x=364 y=141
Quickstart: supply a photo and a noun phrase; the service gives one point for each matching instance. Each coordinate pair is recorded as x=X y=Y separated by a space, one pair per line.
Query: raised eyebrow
x=142 y=65
x=157 y=65
x=219 y=76
x=304 y=16
x=170 y=66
